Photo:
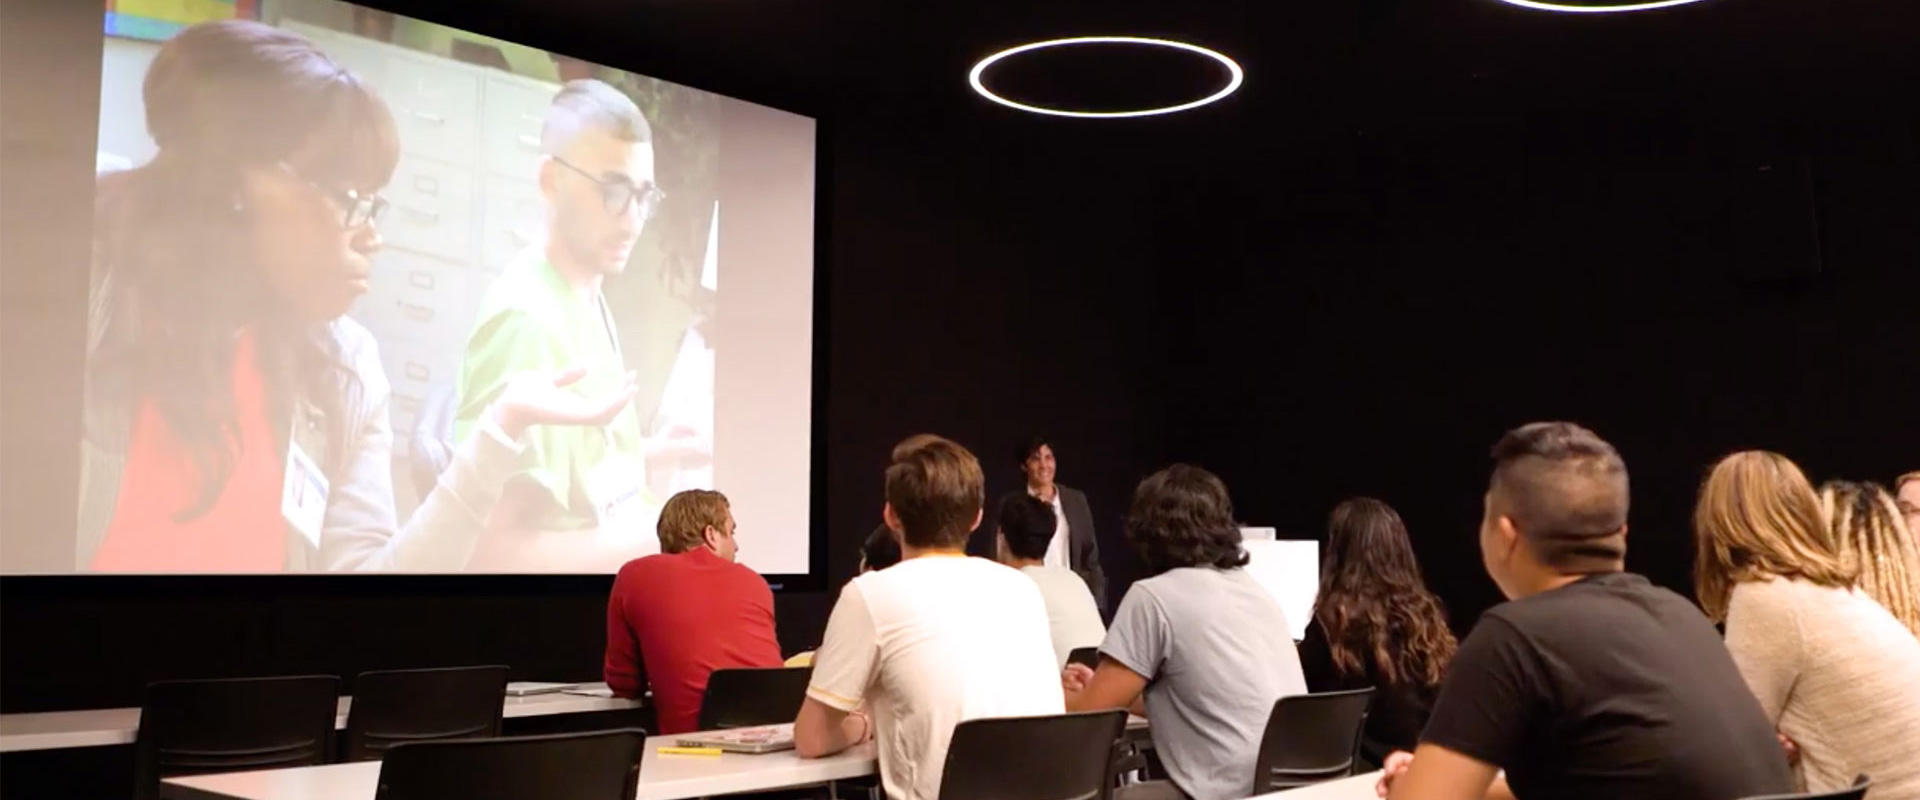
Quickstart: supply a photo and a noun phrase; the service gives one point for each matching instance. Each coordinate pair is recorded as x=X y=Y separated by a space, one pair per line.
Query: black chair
x=1311 y=738
x=412 y=705
x=231 y=725
x=1066 y=757
x=602 y=765
x=743 y=698
x=1858 y=791
x=1089 y=656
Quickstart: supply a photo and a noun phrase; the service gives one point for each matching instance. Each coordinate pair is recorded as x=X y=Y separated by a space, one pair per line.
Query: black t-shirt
x=1607 y=688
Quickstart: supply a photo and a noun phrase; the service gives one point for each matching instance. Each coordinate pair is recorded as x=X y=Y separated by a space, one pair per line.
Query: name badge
x=617 y=489
x=303 y=496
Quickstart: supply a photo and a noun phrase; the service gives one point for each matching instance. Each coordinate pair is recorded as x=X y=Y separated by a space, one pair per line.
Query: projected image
x=373 y=294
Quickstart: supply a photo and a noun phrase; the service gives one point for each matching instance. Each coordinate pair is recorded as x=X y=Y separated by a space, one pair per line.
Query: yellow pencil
x=691 y=751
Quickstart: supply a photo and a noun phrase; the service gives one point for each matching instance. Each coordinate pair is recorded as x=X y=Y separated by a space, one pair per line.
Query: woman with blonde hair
x=1869 y=533
x=1833 y=669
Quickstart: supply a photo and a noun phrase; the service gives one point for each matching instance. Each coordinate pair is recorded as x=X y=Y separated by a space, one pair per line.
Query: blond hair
x=1758 y=518
x=685 y=518
x=1870 y=534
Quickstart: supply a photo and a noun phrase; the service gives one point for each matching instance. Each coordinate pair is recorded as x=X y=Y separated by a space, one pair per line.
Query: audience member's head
x=1556 y=506
x=697 y=518
x=1035 y=458
x=1027 y=525
x=1181 y=517
x=1906 y=489
x=1870 y=535
x=881 y=550
x=934 y=494
x=1758 y=518
x=910 y=444
x=1373 y=605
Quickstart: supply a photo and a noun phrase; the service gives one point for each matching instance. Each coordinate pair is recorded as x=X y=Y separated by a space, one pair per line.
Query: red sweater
x=687 y=615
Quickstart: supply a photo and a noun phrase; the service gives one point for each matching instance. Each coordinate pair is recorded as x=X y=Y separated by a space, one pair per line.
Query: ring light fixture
x=1540 y=5
x=1235 y=75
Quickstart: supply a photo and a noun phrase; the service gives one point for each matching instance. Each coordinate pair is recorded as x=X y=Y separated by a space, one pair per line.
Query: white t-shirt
x=1071 y=613
x=929 y=643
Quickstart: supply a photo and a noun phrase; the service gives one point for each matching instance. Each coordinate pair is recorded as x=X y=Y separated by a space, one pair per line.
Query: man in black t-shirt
x=1592 y=682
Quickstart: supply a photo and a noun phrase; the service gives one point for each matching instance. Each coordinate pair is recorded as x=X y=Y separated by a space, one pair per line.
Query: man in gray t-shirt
x=1202 y=641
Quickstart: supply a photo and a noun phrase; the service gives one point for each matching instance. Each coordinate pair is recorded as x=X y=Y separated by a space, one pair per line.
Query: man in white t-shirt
x=932 y=641
x=1026 y=525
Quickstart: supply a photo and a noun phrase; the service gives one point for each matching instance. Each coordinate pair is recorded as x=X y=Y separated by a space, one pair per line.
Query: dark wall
x=1414 y=292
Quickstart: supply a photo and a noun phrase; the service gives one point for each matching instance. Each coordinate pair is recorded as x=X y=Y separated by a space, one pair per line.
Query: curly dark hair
x=1373 y=605
x=1181 y=517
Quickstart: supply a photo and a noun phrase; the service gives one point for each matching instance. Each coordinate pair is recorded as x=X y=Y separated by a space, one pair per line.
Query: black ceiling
x=1311 y=64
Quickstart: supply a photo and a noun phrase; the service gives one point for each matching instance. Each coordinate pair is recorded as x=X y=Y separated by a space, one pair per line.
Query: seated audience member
x=881 y=550
x=1834 y=671
x=930 y=642
x=1204 y=643
x=677 y=616
x=1870 y=533
x=1074 y=545
x=1376 y=625
x=1026 y=526
x=1906 y=489
x=1591 y=682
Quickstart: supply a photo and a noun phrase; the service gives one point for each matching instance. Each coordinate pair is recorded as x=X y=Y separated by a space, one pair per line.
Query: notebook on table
x=526 y=688
x=752 y=741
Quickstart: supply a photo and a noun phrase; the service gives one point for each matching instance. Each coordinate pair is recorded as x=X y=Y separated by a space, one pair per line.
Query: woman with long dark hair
x=236 y=421
x=1375 y=624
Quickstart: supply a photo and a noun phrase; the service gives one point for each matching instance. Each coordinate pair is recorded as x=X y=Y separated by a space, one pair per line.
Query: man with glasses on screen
x=580 y=501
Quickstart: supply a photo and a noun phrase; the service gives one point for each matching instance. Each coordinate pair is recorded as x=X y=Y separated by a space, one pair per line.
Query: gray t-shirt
x=1216 y=652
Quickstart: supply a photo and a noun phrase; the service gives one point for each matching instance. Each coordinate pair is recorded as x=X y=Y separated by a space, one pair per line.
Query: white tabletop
x=662 y=777
x=110 y=726
x=1358 y=787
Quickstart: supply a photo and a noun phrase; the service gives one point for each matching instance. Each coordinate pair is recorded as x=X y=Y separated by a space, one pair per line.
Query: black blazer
x=1083 y=547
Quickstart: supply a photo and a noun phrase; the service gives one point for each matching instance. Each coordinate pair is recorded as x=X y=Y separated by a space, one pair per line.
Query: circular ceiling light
x=1234 y=75
x=1570 y=8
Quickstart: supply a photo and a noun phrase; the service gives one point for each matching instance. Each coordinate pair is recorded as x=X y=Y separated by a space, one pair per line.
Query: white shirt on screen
x=1058 y=551
x=927 y=644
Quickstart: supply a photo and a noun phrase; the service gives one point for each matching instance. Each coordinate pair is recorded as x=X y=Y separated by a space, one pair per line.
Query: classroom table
x=1358 y=787
x=662 y=777
x=113 y=726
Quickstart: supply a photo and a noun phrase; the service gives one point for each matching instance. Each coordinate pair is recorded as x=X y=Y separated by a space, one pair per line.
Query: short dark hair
x=1181 y=517
x=1028 y=524
x=1565 y=489
x=881 y=549
x=1033 y=445
x=936 y=490
x=587 y=103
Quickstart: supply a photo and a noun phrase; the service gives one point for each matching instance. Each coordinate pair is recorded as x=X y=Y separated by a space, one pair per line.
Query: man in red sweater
x=686 y=612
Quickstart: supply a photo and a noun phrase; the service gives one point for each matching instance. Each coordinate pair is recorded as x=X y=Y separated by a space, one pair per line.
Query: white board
x=1290 y=569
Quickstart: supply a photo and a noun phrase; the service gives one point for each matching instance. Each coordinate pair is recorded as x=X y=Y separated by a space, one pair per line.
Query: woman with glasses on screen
x=236 y=421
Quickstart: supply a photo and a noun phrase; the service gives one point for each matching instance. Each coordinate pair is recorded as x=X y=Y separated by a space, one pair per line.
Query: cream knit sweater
x=1838 y=675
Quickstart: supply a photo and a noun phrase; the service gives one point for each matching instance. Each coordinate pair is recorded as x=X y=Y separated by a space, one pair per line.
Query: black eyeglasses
x=356 y=209
x=618 y=193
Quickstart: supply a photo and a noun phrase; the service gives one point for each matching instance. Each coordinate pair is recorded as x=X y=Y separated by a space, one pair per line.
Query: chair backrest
x=743 y=698
x=1311 y=738
x=202 y=726
x=602 y=765
x=412 y=705
x=1856 y=792
x=1090 y=656
x=1065 y=757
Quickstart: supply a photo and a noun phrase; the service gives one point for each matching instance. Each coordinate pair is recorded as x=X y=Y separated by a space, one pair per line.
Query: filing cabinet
x=465 y=200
